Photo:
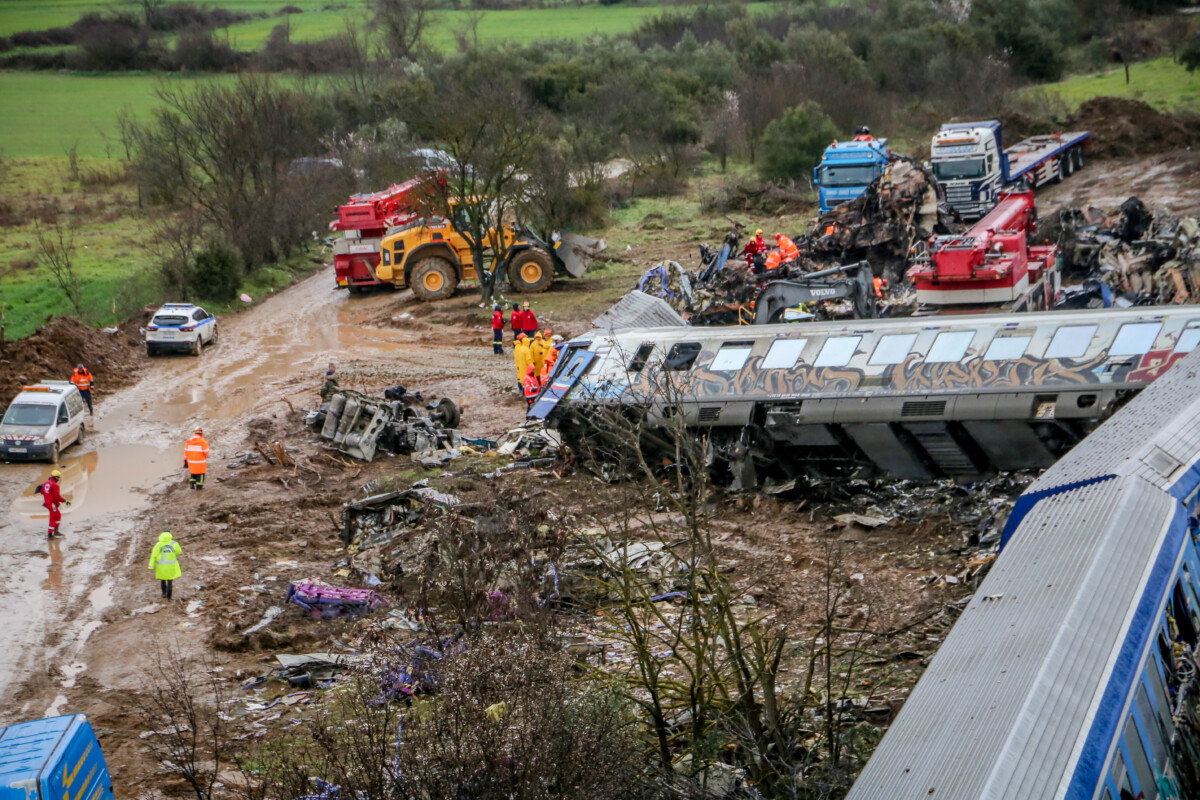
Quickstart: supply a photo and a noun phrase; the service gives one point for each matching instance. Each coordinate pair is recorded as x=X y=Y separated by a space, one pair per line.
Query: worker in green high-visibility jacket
x=164 y=560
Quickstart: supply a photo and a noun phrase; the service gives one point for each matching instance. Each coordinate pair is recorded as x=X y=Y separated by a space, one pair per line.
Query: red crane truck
x=363 y=222
x=991 y=267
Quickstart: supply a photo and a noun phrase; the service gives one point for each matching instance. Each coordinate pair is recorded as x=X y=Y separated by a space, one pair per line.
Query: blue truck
x=848 y=168
x=972 y=165
x=57 y=758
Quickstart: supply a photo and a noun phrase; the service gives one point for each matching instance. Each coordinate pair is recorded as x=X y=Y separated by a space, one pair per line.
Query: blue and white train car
x=1072 y=673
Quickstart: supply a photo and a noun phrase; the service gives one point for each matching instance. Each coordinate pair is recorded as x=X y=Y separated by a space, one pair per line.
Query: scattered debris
x=326 y=602
x=267 y=619
x=359 y=425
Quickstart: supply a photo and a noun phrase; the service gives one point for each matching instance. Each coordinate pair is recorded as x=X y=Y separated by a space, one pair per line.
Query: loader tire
x=434 y=278
x=531 y=271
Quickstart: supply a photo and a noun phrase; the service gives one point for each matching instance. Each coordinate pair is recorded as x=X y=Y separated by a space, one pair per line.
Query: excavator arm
x=855 y=281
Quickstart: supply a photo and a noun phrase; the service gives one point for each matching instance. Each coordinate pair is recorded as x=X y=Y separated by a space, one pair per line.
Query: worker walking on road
x=498 y=330
x=195 y=458
x=529 y=320
x=52 y=498
x=83 y=382
x=522 y=356
x=164 y=560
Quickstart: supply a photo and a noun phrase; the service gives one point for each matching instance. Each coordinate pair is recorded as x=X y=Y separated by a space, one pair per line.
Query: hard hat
x=55 y=474
x=526 y=304
x=79 y=366
x=778 y=236
x=198 y=430
x=546 y=332
x=863 y=130
x=557 y=338
x=520 y=336
x=758 y=232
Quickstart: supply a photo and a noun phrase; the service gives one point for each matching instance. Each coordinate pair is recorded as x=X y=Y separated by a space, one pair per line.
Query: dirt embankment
x=53 y=351
x=1123 y=128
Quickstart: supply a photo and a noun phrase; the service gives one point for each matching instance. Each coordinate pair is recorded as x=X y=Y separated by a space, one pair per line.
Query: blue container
x=57 y=758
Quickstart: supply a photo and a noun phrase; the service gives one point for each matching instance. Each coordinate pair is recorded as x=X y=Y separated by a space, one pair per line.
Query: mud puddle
x=111 y=479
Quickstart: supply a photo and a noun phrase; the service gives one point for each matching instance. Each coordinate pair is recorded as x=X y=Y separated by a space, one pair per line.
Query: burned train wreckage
x=920 y=397
x=360 y=425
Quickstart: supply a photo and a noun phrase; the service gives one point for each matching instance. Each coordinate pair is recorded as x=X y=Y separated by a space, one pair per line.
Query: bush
x=792 y=145
x=197 y=49
x=217 y=272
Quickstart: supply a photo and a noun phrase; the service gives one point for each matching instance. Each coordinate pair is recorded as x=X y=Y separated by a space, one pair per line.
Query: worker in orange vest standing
x=530 y=384
x=195 y=458
x=83 y=382
x=787 y=247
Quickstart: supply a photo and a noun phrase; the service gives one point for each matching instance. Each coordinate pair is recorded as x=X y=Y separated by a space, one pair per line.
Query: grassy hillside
x=1161 y=83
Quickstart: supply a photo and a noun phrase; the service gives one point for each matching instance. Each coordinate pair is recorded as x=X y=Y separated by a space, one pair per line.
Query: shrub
x=792 y=145
x=217 y=272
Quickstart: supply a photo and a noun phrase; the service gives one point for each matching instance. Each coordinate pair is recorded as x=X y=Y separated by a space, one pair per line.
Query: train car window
x=732 y=356
x=1154 y=671
x=1071 y=341
x=641 y=357
x=1182 y=614
x=949 y=346
x=681 y=356
x=1141 y=765
x=1189 y=337
x=1007 y=348
x=893 y=349
x=784 y=353
x=1158 y=749
x=838 y=351
x=1135 y=339
x=1120 y=776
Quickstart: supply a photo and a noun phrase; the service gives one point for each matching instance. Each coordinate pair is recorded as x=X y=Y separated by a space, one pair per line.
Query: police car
x=180 y=327
x=43 y=420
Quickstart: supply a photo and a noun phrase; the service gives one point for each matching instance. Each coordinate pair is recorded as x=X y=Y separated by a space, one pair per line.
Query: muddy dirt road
x=57 y=592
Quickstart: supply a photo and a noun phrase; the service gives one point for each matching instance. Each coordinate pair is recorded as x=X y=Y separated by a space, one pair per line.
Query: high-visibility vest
x=532 y=388
x=195 y=453
x=773 y=259
x=167 y=554
x=82 y=380
x=790 y=251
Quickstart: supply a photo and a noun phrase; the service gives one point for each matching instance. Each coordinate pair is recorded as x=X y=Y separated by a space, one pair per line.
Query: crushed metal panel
x=886 y=451
x=639 y=310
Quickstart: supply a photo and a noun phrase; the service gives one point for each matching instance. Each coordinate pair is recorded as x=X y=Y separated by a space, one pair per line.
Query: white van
x=41 y=422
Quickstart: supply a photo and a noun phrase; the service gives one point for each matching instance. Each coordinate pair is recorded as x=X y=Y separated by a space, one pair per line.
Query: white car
x=41 y=422
x=180 y=327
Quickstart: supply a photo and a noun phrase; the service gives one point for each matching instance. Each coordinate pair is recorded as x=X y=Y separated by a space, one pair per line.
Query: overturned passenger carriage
x=919 y=398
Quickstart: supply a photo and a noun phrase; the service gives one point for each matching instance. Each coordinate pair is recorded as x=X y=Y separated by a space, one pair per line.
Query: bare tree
x=55 y=249
x=402 y=24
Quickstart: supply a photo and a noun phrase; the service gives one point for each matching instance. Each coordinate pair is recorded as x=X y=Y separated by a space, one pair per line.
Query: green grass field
x=1162 y=83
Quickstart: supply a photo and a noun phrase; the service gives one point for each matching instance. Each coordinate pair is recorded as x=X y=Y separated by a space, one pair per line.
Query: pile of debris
x=897 y=213
x=360 y=425
x=1129 y=256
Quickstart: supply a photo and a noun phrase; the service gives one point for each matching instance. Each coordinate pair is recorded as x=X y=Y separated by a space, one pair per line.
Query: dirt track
x=125 y=479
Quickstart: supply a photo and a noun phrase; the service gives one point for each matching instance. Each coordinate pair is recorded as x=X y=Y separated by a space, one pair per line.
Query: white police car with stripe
x=181 y=327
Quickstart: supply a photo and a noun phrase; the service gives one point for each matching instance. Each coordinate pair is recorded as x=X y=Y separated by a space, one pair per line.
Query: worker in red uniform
x=787 y=247
x=498 y=330
x=83 y=382
x=529 y=320
x=517 y=321
x=195 y=458
x=756 y=246
x=530 y=385
x=863 y=134
x=52 y=498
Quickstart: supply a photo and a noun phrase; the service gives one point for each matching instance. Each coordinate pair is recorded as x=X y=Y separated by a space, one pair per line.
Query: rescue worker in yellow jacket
x=522 y=356
x=195 y=458
x=537 y=352
x=164 y=560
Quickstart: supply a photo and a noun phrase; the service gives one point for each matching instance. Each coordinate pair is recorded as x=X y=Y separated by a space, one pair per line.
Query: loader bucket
x=576 y=252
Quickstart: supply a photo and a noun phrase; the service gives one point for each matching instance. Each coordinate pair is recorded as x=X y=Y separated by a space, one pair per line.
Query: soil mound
x=1122 y=128
x=53 y=350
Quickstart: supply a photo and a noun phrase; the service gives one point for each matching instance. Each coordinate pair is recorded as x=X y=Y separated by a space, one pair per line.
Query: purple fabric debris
x=326 y=602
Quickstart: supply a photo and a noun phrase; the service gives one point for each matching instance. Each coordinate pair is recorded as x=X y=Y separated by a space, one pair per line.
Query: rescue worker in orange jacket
x=83 y=382
x=774 y=259
x=787 y=247
x=195 y=458
x=530 y=385
x=549 y=362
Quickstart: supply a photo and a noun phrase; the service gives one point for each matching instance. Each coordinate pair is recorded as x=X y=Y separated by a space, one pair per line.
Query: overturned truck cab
x=919 y=398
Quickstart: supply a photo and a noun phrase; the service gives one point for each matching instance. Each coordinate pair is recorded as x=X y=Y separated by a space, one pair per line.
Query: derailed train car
x=957 y=397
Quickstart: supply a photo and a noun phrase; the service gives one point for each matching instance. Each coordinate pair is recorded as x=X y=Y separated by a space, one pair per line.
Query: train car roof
x=1006 y=707
x=943 y=321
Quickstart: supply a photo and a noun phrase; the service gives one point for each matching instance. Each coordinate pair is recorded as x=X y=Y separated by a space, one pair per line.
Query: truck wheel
x=1078 y=158
x=531 y=271
x=1066 y=165
x=434 y=278
x=354 y=289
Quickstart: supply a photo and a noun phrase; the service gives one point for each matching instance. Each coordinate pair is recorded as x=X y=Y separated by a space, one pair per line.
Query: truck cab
x=969 y=162
x=848 y=168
